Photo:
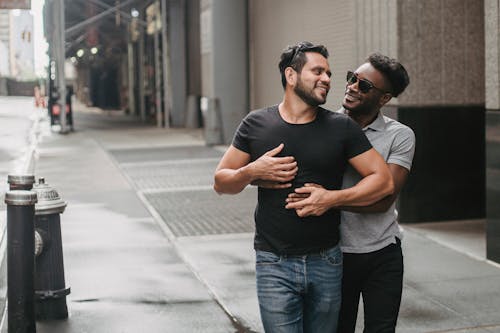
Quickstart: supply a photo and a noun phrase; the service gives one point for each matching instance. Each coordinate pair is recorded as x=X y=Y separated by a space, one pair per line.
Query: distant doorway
x=104 y=88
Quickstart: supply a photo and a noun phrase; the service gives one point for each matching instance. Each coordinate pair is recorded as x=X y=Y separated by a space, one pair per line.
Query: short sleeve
x=240 y=139
x=403 y=148
x=356 y=141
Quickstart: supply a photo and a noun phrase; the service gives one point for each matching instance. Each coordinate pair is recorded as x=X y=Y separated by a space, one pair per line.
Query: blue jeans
x=299 y=294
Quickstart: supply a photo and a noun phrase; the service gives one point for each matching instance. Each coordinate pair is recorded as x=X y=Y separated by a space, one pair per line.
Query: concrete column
x=131 y=81
x=158 y=78
x=177 y=52
x=140 y=55
x=375 y=26
x=167 y=105
x=193 y=47
x=193 y=114
x=229 y=62
x=59 y=57
x=492 y=79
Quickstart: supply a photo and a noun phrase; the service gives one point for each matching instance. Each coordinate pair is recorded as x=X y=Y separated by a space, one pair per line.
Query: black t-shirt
x=322 y=149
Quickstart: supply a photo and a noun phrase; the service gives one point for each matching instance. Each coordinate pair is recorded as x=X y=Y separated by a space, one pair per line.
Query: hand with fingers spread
x=309 y=200
x=235 y=171
x=273 y=172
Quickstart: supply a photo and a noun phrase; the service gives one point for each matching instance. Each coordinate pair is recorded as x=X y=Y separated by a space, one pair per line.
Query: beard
x=307 y=95
x=357 y=110
x=361 y=108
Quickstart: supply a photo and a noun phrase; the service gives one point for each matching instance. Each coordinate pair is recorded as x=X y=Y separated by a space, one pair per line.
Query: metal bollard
x=20 y=182
x=50 y=289
x=20 y=261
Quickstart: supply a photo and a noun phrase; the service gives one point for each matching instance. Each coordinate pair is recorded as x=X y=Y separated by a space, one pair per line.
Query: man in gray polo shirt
x=370 y=235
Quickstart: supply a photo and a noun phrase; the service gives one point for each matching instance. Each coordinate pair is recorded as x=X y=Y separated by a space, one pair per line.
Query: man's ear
x=290 y=75
x=385 y=99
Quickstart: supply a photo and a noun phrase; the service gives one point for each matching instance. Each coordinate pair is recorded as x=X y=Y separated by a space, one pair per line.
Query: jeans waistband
x=318 y=253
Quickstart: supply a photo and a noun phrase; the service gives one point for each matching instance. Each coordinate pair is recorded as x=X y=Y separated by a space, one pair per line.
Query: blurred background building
x=17 y=61
x=21 y=48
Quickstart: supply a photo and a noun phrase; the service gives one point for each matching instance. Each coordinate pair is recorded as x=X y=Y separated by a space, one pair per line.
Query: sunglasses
x=301 y=47
x=363 y=85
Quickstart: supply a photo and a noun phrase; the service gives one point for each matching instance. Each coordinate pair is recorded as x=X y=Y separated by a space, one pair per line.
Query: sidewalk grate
x=177 y=183
x=203 y=212
x=164 y=153
x=175 y=174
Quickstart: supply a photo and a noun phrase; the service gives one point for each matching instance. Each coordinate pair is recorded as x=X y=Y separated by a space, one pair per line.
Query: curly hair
x=392 y=70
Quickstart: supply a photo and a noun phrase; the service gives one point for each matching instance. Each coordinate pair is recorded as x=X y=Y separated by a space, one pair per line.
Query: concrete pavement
x=149 y=247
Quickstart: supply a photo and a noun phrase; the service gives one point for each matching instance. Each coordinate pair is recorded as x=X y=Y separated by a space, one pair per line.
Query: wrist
x=246 y=173
x=336 y=199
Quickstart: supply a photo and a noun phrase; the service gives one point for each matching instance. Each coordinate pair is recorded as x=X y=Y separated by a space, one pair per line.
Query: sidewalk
x=148 y=246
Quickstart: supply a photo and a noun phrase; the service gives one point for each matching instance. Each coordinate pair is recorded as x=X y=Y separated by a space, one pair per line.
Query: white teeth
x=351 y=98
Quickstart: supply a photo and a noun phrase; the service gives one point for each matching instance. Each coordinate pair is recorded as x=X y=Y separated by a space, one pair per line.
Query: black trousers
x=378 y=276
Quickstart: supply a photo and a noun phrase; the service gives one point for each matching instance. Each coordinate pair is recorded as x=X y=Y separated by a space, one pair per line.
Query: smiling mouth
x=323 y=89
x=351 y=97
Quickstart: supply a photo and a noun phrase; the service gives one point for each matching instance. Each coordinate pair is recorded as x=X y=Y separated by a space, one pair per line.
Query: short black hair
x=294 y=56
x=392 y=70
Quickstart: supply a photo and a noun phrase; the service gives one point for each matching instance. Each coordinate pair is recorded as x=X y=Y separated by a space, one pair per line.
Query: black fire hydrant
x=50 y=289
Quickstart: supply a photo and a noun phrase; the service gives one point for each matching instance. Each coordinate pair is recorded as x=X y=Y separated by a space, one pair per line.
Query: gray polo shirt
x=363 y=233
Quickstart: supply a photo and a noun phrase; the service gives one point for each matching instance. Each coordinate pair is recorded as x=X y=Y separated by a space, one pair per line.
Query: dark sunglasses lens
x=351 y=78
x=364 y=86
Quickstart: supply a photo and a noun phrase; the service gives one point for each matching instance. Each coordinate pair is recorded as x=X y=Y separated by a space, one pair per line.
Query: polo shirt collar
x=377 y=125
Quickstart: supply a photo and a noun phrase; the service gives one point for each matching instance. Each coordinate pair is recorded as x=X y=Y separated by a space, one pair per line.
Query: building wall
x=275 y=24
x=492 y=71
x=349 y=29
x=22 y=54
x=4 y=59
x=4 y=43
x=442 y=45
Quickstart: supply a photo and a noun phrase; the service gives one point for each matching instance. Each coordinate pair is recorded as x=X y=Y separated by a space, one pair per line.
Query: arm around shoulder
x=399 y=176
x=314 y=200
x=376 y=183
x=399 y=163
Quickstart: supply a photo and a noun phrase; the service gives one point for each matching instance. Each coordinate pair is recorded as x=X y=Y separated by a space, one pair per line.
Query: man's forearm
x=229 y=181
x=314 y=200
x=380 y=206
x=368 y=191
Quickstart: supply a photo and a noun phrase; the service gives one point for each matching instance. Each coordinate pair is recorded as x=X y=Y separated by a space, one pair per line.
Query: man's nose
x=352 y=86
x=325 y=78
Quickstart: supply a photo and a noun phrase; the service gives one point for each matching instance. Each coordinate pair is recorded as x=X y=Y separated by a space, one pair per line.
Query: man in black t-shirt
x=286 y=146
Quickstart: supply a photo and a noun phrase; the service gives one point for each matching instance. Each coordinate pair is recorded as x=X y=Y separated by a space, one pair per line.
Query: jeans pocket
x=266 y=258
x=333 y=256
